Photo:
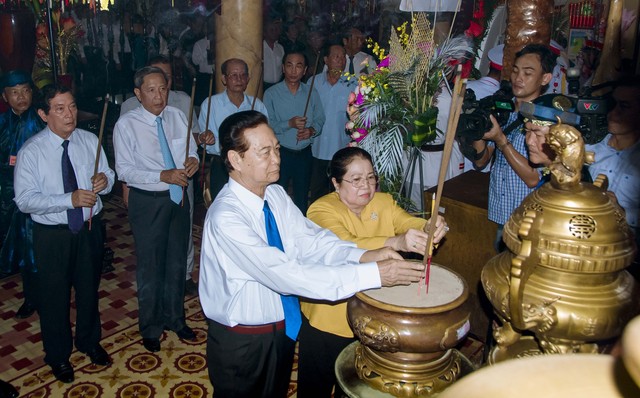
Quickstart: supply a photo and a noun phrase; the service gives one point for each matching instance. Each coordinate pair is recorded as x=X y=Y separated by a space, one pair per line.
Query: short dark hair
x=159 y=59
x=295 y=50
x=231 y=133
x=341 y=160
x=138 y=78
x=546 y=56
x=46 y=95
x=327 y=47
x=225 y=64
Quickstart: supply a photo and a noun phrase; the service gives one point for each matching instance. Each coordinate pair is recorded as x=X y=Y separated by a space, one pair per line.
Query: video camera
x=474 y=119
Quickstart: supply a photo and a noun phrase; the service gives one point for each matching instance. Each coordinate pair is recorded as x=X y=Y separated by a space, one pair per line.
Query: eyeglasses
x=363 y=181
x=236 y=76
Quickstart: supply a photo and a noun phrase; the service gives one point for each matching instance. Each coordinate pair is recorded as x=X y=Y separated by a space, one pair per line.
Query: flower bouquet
x=393 y=108
x=66 y=36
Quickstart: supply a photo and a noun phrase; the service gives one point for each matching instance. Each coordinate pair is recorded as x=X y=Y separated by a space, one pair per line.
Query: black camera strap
x=513 y=125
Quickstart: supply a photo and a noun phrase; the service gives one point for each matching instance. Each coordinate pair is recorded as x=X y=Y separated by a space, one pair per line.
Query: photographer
x=512 y=176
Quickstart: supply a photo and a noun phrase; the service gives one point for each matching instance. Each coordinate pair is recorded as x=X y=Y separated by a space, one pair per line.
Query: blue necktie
x=75 y=216
x=175 y=191
x=352 y=68
x=290 y=304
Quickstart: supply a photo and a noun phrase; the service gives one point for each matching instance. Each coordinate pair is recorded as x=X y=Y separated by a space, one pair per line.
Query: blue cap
x=548 y=107
x=14 y=78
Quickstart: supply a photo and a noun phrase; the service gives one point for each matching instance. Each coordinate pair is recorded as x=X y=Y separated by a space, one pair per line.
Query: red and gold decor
x=562 y=286
x=18 y=38
x=407 y=337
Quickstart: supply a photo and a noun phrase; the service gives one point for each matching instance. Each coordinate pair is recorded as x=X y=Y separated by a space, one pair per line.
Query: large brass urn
x=407 y=337
x=562 y=286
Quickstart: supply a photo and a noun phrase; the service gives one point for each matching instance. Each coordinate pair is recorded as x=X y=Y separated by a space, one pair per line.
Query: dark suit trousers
x=295 y=166
x=65 y=260
x=249 y=365
x=218 y=175
x=161 y=232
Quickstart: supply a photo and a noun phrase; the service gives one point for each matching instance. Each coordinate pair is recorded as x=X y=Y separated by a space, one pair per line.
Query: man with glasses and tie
x=54 y=182
x=235 y=77
x=259 y=253
x=150 y=144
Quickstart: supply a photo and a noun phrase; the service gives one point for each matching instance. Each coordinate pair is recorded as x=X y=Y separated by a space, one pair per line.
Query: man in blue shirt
x=334 y=89
x=235 y=77
x=296 y=116
x=512 y=176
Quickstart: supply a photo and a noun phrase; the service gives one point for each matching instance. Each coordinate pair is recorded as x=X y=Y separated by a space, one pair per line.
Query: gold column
x=239 y=35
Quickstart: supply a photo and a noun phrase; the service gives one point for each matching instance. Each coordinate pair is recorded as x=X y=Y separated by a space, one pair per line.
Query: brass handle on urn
x=522 y=266
x=376 y=334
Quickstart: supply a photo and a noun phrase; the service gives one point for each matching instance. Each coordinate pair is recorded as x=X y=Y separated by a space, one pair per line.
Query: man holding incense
x=296 y=116
x=54 y=182
x=156 y=156
x=235 y=77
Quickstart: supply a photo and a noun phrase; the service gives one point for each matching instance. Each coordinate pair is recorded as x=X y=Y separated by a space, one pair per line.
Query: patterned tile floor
x=179 y=370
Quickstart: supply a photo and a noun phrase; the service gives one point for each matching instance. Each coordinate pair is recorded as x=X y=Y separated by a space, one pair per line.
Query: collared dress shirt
x=221 y=108
x=139 y=159
x=176 y=99
x=282 y=105
x=242 y=277
x=363 y=64
x=272 y=58
x=38 y=182
x=622 y=169
x=506 y=188
x=334 y=102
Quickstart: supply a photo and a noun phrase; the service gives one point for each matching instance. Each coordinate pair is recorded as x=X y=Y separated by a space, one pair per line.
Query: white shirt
x=221 y=107
x=622 y=169
x=272 y=62
x=176 y=99
x=363 y=63
x=139 y=159
x=39 y=189
x=242 y=277
x=199 y=56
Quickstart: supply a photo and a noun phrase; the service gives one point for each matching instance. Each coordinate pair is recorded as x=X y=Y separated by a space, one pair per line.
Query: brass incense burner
x=562 y=286
x=407 y=337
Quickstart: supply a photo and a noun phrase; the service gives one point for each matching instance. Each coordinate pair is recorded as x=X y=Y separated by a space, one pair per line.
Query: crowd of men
x=256 y=237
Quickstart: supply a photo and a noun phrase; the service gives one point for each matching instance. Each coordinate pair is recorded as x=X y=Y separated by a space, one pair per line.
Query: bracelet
x=480 y=154
x=501 y=147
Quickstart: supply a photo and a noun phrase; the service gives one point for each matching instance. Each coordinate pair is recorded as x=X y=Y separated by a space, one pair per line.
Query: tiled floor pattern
x=178 y=370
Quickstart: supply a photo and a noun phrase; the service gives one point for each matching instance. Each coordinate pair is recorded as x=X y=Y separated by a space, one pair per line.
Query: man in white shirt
x=250 y=268
x=272 y=53
x=358 y=62
x=235 y=77
x=181 y=101
x=54 y=182
x=150 y=144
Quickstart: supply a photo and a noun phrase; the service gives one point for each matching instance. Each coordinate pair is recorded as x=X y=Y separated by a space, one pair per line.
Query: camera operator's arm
x=483 y=153
x=518 y=162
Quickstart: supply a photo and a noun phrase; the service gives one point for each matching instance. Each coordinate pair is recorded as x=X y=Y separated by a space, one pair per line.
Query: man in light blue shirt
x=296 y=116
x=333 y=89
x=235 y=77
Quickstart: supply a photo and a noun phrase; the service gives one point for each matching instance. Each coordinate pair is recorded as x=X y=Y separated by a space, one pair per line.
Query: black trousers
x=295 y=166
x=320 y=182
x=317 y=354
x=249 y=366
x=161 y=232
x=65 y=260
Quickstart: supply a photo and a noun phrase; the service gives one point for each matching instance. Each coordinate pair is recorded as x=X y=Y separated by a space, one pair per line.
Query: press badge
x=12 y=160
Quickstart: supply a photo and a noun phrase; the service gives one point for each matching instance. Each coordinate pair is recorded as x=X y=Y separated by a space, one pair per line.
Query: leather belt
x=153 y=194
x=432 y=148
x=256 y=329
x=65 y=226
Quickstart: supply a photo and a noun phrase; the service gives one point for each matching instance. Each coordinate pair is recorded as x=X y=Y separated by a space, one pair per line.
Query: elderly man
x=333 y=89
x=287 y=102
x=54 y=182
x=258 y=252
x=182 y=101
x=17 y=125
x=235 y=77
x=358 y=62
x=149 y=143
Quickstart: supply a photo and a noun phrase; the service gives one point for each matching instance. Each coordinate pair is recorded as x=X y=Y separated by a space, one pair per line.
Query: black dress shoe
x=98 y=356
x=63 y=372
x=26 y=310
x=7 y=390
x=152 y=345
x=186 y=333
